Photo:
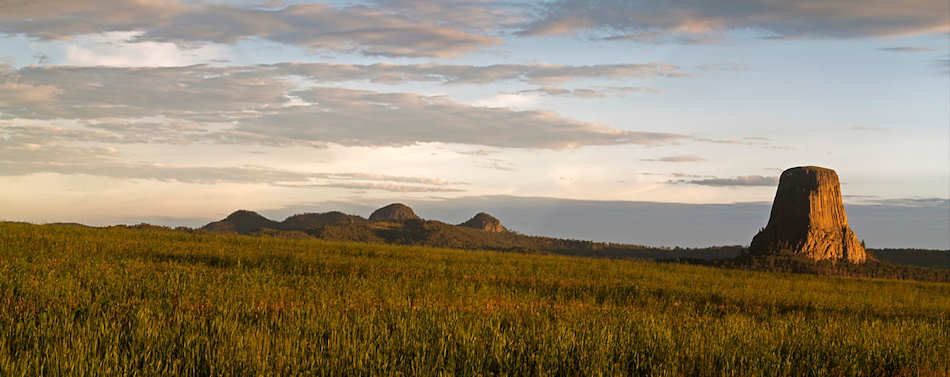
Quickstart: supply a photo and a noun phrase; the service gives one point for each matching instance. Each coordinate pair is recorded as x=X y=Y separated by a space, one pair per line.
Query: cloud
x=684 y=158
x=356 y=117
x=659 y=37
x=109 y=92
x=317 y=26
x=907 y=49
x=904 y=202
x=117 y=49
x=499 y=164
x=389 y=178
x=16 y=94
x=468 y=74
x=18 y=157
x=387 y=187
x=743 y=181
x=776 y=19
x=619 y=91
x=25 y=159
x=258 y=105
x=480 y=15
x=101 y=92
x=943 y=64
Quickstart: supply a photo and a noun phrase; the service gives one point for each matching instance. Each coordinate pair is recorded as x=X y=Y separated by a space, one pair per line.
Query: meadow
x=78 y=301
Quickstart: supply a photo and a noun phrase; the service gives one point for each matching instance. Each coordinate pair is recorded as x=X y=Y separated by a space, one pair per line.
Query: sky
x=181 y=111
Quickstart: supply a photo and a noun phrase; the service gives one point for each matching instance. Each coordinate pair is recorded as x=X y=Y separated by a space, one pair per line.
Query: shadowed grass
x=84 y=302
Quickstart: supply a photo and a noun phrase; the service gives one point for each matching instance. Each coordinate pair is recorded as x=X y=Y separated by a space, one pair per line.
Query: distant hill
x=394 y=212
x=244 y=222
x=398 y=224
x=311 y=221
x=484 y=221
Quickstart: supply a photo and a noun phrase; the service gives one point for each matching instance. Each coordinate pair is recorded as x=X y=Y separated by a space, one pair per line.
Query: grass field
x=83 y=302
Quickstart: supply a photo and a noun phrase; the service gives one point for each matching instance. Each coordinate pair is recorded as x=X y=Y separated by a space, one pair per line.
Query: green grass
x=83 y=302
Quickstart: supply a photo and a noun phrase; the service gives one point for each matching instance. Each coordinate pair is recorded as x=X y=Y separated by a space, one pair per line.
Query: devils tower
x=808 y=219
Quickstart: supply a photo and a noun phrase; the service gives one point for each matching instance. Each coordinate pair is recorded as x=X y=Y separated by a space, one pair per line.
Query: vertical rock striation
x=808 y=219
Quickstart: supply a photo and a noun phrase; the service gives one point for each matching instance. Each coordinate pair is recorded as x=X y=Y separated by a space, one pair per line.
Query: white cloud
x=119 y=49
x=509 y=101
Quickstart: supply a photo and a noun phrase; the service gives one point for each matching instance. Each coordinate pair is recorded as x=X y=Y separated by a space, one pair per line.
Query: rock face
x=242 y=221
x=808 y=219
x=484 y=221
x=394 y=212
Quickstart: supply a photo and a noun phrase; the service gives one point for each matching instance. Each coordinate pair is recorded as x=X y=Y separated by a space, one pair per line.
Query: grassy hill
x=337 y=226
x=118 y=301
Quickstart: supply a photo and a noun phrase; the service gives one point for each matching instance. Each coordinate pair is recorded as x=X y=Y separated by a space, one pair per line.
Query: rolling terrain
x=485 y=232
x=481 y=232
x=146 y=300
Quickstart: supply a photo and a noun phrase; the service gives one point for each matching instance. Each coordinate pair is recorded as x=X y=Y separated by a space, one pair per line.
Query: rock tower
x=808 y=219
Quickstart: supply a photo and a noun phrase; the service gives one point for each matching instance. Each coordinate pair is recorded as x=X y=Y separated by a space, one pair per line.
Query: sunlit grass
x=80 y=302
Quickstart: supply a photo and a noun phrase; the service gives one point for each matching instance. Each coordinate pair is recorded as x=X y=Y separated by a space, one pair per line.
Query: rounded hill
x=484 y=221
x=394 y=212
x=242 y=221
x=308 y=221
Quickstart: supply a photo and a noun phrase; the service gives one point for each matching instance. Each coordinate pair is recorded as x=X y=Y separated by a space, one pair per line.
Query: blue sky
x=275 y=105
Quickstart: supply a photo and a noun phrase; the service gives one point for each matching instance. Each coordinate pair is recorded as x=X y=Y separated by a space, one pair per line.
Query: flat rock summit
x=808 y=219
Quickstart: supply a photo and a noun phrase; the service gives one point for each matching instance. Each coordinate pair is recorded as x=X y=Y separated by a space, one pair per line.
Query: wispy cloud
x=255 y=105
x=318 y=26
x=387 y=187
x=683 y=158
x=748 y=180
x=943 y=64
x=354 y=117
x=907 y=49
x=618 y=91
x=797 y=19
x=18 y=158
x=468 y=74
x=481 y=15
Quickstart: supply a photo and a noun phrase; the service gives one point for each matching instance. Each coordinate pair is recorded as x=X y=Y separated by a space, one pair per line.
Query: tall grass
x=88 y=302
